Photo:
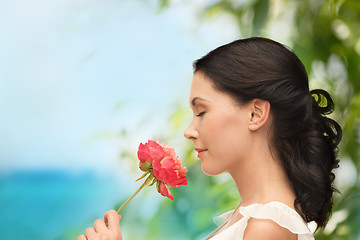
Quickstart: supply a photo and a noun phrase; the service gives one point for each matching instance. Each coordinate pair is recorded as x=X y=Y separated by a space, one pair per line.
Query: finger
x=90 y=233
x=104 y=237
x=81 y=237
x=99 y=226
x=112 y=218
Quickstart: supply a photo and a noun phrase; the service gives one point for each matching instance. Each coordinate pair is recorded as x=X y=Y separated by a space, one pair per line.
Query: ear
x=259 y=113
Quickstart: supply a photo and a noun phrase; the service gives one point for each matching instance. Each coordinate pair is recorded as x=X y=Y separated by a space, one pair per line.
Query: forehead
x=201 y=85
x=203 y=91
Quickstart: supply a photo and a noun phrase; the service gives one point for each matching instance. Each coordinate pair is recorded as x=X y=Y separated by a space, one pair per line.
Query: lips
x=200 y=151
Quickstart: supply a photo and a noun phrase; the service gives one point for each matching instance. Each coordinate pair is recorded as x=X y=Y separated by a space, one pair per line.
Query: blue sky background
x=67 y=66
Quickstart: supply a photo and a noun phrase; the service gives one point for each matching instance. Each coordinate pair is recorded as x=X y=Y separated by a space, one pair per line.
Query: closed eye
x=200 y=114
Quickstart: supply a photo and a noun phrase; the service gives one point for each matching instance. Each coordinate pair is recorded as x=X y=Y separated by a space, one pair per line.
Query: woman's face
x=219 y=128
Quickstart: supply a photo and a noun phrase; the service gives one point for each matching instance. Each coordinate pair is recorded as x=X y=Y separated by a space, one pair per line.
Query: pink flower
x=161 y=166
x=164 y=164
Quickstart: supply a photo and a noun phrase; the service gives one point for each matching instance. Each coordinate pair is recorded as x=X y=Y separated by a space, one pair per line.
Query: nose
x=191 y=133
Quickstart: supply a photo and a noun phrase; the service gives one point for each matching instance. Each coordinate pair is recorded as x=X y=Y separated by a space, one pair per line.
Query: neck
x=262 y=179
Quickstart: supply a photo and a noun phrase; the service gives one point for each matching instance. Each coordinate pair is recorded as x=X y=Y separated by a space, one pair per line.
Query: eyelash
x=200 y=114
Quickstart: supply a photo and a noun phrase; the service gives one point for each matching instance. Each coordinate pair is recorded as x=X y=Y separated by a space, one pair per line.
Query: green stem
x=146 y=182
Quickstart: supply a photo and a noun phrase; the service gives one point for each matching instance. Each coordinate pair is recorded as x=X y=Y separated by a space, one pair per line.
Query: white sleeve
x=282 y=214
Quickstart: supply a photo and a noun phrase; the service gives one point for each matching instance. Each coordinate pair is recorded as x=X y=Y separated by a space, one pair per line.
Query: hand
x=101 y=231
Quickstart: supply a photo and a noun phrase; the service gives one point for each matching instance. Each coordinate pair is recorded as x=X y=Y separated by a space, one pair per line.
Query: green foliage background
x=325 y=34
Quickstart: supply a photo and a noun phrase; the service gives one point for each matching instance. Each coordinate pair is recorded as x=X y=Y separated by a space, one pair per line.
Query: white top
x=276 y=211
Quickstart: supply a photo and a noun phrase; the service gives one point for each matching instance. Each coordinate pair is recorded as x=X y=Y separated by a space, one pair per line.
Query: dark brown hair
x=303 y=138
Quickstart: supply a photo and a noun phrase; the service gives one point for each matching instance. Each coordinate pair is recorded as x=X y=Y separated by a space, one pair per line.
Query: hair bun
x=322 y=101
x=324 y=105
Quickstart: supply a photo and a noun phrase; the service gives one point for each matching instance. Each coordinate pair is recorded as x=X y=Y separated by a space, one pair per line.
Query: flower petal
x=164 y=191
x=150 y=151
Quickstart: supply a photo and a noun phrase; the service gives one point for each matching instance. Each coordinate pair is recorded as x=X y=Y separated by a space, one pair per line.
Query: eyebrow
x=193 y=101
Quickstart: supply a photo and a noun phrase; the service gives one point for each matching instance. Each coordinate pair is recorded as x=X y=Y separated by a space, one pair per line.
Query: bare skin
x=101 y=231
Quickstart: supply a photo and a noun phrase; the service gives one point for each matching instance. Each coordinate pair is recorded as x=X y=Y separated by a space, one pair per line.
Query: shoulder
x=266 y=229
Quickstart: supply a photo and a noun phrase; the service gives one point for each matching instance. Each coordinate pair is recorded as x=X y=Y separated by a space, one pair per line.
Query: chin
x=210 y=171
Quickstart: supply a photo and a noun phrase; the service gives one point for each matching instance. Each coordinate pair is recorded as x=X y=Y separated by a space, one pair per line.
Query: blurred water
x=53 y=204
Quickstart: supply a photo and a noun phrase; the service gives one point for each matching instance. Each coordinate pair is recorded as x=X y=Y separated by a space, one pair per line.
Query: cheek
x=226 y=139
x=227 y=132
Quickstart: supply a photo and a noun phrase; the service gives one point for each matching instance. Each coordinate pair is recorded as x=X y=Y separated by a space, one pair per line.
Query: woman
x=255 y=118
